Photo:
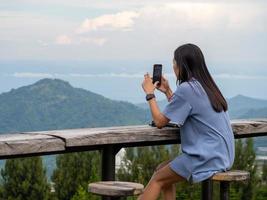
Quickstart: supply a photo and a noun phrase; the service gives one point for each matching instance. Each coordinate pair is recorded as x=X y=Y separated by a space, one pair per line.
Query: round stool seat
x=116 y=188
x=231 y=175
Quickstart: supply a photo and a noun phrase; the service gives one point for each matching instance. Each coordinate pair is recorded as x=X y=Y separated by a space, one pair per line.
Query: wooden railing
x=109 y=140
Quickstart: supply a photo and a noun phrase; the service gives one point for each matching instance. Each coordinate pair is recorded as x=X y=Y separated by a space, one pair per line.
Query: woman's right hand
x=164 y=86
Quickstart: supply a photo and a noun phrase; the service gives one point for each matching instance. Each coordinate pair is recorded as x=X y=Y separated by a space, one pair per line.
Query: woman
x=197 y=105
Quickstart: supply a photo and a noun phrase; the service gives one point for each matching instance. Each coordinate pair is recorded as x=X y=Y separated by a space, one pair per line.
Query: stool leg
x=112 y=198
x=207 y=189
x=108 y=165
x=116 y=198
x=224 y=190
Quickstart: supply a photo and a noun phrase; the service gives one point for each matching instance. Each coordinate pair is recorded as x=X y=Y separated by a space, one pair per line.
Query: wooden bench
x=225 y=178
x=115 y=189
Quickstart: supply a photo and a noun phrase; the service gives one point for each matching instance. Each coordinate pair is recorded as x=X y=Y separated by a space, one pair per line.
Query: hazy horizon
x=116 y=86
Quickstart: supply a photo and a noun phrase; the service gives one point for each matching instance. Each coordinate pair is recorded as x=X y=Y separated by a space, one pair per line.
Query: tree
x=81 y=194
x=262 y=188
x=25 y=179
x=245 y=160
x=264 y=173
x=74 y=171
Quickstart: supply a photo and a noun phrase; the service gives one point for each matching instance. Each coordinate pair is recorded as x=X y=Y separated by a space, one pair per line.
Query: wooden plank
x=232 y=175
x=144 y=133
x=20 y=144
x=82 y=139
x=249 y=128
x=118 y=135
x=116 y=188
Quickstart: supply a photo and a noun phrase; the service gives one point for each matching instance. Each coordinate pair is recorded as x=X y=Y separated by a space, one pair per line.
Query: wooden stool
x=225 y=178
x=115 y=189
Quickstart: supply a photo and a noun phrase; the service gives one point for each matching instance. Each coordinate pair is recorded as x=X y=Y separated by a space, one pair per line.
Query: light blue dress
x=207 y=140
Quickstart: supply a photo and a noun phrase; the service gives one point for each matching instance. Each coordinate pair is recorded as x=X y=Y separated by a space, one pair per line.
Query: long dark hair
x=191 y=63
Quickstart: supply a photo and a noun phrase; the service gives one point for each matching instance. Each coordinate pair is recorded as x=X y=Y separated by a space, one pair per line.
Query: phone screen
x=157 y=72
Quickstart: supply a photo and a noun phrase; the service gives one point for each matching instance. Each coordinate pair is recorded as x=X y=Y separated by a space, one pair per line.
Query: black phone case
x=157 y=72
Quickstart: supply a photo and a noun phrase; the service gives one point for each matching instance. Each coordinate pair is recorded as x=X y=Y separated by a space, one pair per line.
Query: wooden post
x=207 y=189
x=108 y=165
x=224 y=190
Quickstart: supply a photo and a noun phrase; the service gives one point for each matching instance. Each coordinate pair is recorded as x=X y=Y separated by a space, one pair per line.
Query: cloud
x=76 y=40
x=78 y=75
x=224 y=35
x=125 y=75
x=42 y=43
x=63 y=40
x=123 y=21
x=92 y=40
x=32 y=75
x=240 y=76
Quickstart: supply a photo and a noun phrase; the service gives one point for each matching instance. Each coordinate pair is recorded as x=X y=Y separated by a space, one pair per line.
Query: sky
x=107 y=46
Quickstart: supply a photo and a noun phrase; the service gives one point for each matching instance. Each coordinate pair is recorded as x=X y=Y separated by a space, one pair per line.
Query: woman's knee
x=162 y=164
x=165 y=176
x=157 y=183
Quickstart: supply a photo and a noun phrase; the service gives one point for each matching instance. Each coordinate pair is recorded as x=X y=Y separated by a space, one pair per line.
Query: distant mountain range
x=55 y=104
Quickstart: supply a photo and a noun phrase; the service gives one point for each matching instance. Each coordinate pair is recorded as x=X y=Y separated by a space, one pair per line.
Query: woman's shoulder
x=187 y=88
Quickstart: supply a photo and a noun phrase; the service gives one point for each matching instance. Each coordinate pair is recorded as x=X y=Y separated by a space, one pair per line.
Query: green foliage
x=74 y=172
x=261 y=191
x=245 y=160
x=264 y=173
x=81 y=194
x=24 y=179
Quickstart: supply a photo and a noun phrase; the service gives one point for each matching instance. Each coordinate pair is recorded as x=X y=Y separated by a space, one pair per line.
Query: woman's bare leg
x=169 y=192
x=162 y=178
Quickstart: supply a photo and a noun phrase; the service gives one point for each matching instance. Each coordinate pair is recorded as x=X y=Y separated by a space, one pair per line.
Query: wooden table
x=107 y=139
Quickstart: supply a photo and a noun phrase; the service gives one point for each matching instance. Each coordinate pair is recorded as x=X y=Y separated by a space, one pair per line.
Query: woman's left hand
x=148 y=85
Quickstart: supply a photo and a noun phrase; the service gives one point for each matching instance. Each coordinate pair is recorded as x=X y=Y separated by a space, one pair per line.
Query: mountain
x=51 y=104
x=242 y=106
x=145 y=105
x=54 y=104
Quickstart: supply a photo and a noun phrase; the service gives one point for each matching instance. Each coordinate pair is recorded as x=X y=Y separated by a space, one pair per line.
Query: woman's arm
x=149 y=88
x=159 y=119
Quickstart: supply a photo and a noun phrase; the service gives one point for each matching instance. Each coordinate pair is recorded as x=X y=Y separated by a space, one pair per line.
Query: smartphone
x=157 y=73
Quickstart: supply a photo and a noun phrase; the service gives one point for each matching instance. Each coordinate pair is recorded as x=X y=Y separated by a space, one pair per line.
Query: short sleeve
x=177 y=110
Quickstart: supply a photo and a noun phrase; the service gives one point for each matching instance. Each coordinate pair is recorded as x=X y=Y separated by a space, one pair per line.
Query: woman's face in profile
x=175 y=68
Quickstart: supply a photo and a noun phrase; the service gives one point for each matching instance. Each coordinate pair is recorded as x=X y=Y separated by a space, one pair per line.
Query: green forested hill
x=55 y=104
